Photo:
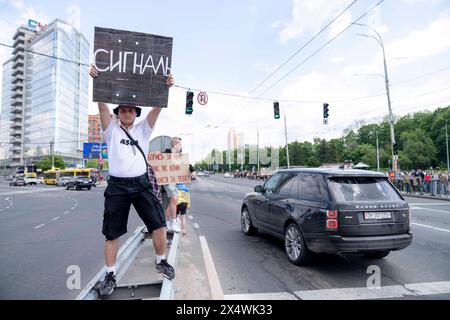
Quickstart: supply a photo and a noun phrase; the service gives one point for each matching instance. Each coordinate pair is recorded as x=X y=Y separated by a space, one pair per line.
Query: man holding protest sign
x=128 y=143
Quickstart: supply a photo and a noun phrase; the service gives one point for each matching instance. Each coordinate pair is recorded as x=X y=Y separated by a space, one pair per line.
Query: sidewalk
x=425 y=196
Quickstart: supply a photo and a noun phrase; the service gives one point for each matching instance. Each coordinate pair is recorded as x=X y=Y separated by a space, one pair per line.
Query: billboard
x=95 y=150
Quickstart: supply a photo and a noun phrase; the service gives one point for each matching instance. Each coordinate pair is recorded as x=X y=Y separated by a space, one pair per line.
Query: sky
x=231 y=47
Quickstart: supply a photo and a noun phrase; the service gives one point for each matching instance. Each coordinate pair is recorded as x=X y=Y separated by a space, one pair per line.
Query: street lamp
x=386 y=80
x=446 y=142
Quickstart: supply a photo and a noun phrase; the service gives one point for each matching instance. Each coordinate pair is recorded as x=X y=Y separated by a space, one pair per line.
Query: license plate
x=377 y=215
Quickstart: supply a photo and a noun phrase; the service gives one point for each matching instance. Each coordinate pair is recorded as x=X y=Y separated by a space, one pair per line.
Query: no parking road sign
x=202 y=98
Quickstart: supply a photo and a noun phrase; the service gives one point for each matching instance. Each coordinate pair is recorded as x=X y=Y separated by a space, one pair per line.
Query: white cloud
x=374 y=20
x=418 y=44
x=19 y=4
x=265 y=67
x=421 y=1
x=309 y=15
x=337 y=59
x=340 y=24
x=253 y=8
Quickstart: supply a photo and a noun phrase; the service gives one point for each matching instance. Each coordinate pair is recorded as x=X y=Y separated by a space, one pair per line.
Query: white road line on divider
x=190 y=217
x=397 y=291
x=196 y=226
x=213 y=278
x=56 y=218
x=39 y=226
x=66 y=212
x=430 y=227
x=362 y=293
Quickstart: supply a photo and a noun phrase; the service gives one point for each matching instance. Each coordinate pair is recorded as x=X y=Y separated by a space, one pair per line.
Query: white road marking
x=66 y=212
x=56 y=218
x=196 y=226
x=213 y=278
x=436 y=210
x=261 y=296
x=39 y=226
x=430 y=227
x=72 y=208
x=398 y=291
x=190 y=217
x=26 y=192
x=429 y=204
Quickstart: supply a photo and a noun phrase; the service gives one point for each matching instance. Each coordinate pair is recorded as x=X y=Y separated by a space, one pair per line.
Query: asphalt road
x=43 y=231
x=256 y=267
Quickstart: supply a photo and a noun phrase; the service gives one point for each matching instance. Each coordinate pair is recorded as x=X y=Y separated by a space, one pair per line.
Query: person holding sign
x=171 y=191
x=129 y=184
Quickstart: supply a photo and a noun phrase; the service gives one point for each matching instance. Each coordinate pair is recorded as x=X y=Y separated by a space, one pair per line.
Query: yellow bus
x=52 y=176
x=73 y=172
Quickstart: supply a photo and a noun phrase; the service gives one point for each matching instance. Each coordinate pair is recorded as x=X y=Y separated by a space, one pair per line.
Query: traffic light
x=325 y=110
x=395 y=149
x=276 y=110
x=189 y=102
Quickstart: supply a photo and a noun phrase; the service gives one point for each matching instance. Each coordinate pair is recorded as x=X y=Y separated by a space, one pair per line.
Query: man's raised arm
x=105 y=115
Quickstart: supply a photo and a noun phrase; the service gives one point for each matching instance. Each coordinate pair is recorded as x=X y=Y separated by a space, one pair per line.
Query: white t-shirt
x=122 y=160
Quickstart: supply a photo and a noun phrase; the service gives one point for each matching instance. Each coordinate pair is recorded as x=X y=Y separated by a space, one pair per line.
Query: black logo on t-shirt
x=127 y=142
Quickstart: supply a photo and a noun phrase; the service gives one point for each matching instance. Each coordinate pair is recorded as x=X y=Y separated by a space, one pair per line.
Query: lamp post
x=386 y=81
x=378 y=154
x=446 y=142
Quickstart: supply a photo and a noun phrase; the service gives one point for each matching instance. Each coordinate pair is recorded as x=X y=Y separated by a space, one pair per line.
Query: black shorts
x=119 y=195
x=181 y=208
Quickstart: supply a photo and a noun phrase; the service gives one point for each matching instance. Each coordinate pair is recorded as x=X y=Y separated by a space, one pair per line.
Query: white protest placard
x=170 y=167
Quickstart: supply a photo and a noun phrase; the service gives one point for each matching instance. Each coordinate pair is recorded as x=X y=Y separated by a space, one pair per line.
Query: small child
x=184 y=202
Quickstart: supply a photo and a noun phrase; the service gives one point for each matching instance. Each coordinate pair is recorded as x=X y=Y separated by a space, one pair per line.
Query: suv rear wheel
x=246 y=223
x=377 y=254
x=295 y=246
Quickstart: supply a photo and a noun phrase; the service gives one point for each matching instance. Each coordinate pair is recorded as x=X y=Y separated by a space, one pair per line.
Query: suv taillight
x=332 y=220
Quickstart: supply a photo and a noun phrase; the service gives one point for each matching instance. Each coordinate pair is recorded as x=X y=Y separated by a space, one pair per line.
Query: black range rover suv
x=329 y=211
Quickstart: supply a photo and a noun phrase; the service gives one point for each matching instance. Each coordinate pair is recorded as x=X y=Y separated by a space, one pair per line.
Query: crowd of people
x=421 y=182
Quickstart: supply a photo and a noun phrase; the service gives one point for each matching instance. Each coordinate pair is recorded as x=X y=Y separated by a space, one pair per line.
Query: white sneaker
x=174 y=226
x=169 y=227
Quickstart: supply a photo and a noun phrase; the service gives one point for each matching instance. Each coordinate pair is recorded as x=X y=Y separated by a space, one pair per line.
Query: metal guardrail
x=125 y=256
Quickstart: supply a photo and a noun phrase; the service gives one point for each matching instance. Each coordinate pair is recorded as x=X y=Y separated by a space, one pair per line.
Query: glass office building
x=56 y=99
x=55 y=95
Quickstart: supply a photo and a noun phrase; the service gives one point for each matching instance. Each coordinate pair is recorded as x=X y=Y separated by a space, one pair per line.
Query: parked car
x=18 y=181
x=227 y=175
x=329 y=211
x=78 y=183
x=62 y=181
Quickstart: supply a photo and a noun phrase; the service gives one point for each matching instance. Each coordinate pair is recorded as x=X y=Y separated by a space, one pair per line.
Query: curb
x=425 y=197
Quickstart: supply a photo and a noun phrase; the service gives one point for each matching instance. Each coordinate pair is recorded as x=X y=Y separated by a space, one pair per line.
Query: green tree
x=418 y=148
x=46 y=163
x=365 y=153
